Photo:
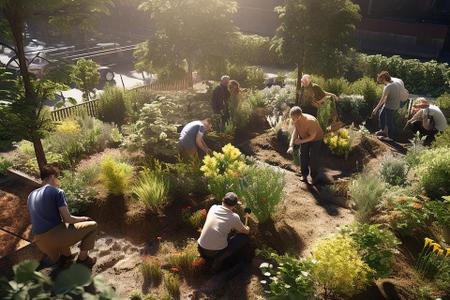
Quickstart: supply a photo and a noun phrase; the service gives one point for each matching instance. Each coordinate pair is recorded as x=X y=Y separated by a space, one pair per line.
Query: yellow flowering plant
x=432 y=260
x=339 y=142
x=339 y=267
x=223 y=170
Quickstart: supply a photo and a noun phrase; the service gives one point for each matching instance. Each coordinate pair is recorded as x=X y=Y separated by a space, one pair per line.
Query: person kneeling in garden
x=214 y=244
x=427 y=119
x=308 y=134
x=191 y=138
x=55 y=229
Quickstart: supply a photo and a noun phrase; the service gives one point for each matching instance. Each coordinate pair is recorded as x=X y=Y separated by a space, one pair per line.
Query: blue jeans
x=386 y=121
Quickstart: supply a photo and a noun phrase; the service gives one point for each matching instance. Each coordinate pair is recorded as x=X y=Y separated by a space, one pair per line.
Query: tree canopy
x=187 y=33
x=85 y=75
x=314 y=35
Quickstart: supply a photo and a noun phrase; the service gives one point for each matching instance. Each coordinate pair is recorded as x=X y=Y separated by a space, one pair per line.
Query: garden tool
x=247 y=212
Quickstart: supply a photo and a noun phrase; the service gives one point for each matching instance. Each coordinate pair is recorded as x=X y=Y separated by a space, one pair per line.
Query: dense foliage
x=115 y=175
x=152 y=189
x=394 y=171
x=366 y=191
x=111 y=106
x=85 y=74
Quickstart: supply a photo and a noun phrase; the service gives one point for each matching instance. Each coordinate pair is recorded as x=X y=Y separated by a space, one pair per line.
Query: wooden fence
x=90 y=108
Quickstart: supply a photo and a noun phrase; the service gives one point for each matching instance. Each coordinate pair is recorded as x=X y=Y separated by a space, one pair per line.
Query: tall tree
x=314 y=34
x=14 y=17
x=188 y=34
x=85 y=75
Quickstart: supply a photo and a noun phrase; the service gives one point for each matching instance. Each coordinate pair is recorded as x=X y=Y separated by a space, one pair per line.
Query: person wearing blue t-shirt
x=191 y=138
x=55 y=230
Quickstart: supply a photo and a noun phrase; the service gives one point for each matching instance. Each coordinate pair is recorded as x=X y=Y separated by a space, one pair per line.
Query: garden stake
x=247 y=212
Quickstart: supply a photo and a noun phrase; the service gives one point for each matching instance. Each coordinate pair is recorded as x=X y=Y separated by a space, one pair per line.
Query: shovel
x=247 y=212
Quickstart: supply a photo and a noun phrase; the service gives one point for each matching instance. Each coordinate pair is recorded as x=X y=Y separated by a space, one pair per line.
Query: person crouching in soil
x=55 y=229
x=215 y=244
x=427 y=119
x=191 y=139
x=308 y=134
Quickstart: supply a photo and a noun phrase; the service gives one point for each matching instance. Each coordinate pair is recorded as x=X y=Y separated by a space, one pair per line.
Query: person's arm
x=201 y=143
x=307 y=139
x=291 y=142
x=329 y=95
x=68 y=218
x=240 y=227
x=417 y=116
x=379 y=105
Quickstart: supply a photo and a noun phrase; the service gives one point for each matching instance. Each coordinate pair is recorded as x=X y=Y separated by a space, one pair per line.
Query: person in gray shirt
x=389 y=103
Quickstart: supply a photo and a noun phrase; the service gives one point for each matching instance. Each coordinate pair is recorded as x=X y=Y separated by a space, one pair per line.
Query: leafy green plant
x=152 y=189
x=325 y=114
x=336 y=86
x=256 y=99
x=71 y=283
x=222 y=170
x=196 y=219
x=339 y=142
x=439 y=211
x=172 y=284
x=443 y=101
x=32 y=168
x=339 y=267
x=151 y=270
x=442 y=139
x=394 y=171
x=79 y=194
x=186 y=178
x=115 y=175
x=261 y=188
x=377 y=247
x=370 y=90
x=85 y=74
x=352 y=109
x=366 y=191
x=5 y=164
x=434 y=171
x=135 y=295
x=288 y=278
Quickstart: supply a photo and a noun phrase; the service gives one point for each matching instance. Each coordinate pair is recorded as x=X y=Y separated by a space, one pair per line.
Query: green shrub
x=325 y=114
x=394 y=171
x=336 y=86
x=434 y=172
x=289 y=278
x=4 y=165
x=196 y=219
x=152 y=189
x=151 y=270
x=32 y=168
x=79 y=194
x=257 y=99
x=135 y=295
x=261 y=189
x=186 y=178
x=252 y=49
x=353 y=109
x=248 y=77
x=442 y=139
x=439 y=211
x=369 y=89
x=443 y=101
x=26 y=148
x=377 y=246
x=111 y=106
x=366 y=191
x=172 y=284
x=115 y=175
x=135 y=100
x=340 y=269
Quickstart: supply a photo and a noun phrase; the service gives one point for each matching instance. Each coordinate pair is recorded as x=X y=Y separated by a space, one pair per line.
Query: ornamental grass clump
x=288 y=277
x=222 y=170
x=152 y=189
x=172 y=284
x=377 y=247
x=394 y=171
x=366 y=191
x=151 y=270
x=115 y=175
x=339 y=267
x=183 y=260
x=261 y=189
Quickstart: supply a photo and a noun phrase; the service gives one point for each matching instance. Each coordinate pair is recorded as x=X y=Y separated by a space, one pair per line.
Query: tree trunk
x=190 y=79
x=16 y=24
x=39 y=151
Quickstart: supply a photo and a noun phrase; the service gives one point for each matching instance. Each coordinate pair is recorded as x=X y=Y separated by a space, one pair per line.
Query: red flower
x=203 y=212
x=159 y=238
x=174 y=269
x=416 y=205
x=198 y=262
x=199 y=230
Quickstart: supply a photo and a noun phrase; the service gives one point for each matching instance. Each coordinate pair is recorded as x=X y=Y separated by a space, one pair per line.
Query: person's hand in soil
x=290 y=150
x=298 y=141
x=374 y=112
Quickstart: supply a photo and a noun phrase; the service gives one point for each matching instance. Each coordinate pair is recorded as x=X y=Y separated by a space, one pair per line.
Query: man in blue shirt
x=191 y=138
x=55 y=229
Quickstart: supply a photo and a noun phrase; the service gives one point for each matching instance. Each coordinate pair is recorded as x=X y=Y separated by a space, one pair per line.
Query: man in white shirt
x=428 y=119
x=214 y=243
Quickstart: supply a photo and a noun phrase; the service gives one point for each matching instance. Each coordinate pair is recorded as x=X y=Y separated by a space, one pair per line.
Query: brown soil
x=14 y=217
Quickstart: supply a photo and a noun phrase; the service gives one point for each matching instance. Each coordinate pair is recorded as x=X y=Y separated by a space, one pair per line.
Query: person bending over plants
x=308 y=134
x=427 y=119
x=191 y=138
x=312 y=95
x=214 y=244
x=55 y=229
